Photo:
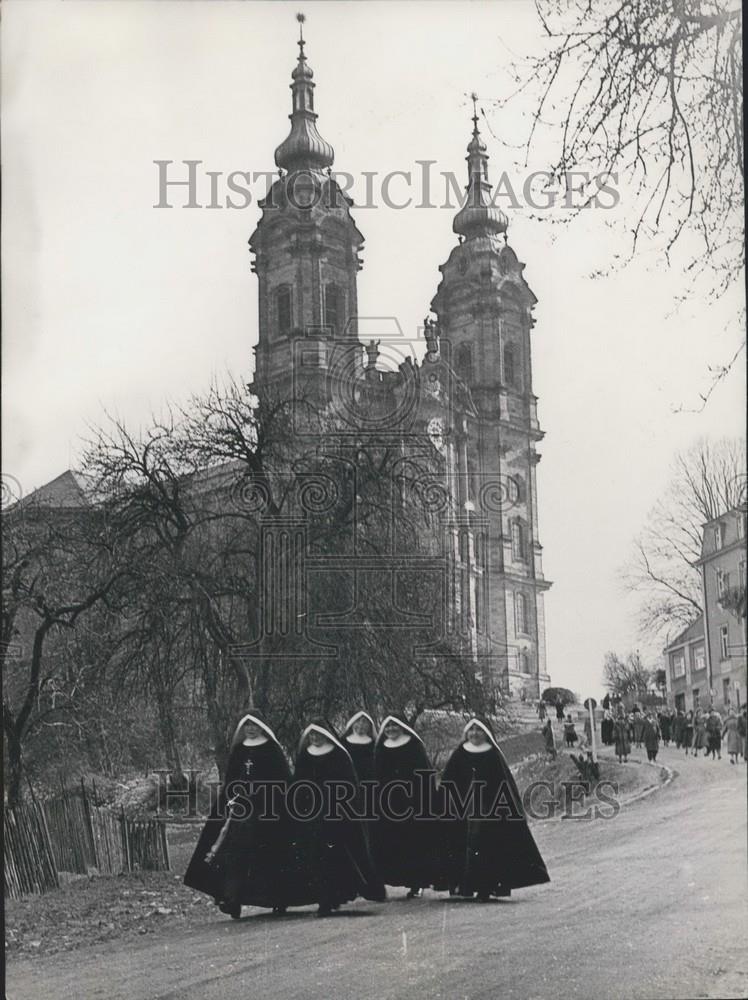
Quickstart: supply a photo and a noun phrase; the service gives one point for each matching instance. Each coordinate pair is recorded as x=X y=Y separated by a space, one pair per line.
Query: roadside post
x=590 y=704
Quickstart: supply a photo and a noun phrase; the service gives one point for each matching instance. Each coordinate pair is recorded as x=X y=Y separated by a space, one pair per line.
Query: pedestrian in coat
x=541 y=710
x=570 y=733
x=665 y=720
x=687 y=732
x=743 y=731
x=622 y=736
x=638 y=725
x=730 y=732
x=559 y=710
x=679 y=723
x=549 y=739
x=651 y=737
x=700 y=739
x=714 y=734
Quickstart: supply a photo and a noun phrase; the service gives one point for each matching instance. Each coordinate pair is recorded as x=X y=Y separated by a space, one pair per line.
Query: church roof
x=69 y=491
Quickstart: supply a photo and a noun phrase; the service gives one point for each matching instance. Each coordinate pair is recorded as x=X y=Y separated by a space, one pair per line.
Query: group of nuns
x=250 y=855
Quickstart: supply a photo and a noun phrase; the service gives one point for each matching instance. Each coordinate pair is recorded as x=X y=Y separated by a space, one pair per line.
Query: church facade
x=460 y=425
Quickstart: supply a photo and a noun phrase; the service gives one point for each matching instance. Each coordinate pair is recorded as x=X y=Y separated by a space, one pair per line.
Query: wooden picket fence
x=71 y=833
x=29 y=859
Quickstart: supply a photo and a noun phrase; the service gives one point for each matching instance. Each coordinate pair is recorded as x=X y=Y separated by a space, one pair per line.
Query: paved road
x=651 y=904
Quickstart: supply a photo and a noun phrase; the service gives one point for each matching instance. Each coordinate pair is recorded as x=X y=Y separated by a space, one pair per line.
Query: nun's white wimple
x=402 y=725
x=326 y=733
x=360 y=715
x=484 y=727
x=257 y=722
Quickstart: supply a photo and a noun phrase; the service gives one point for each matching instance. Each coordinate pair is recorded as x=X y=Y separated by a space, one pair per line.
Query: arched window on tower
x=283 y=309
x=464 y=362
x=520 y=614
x=519 y=548
x=332 y=308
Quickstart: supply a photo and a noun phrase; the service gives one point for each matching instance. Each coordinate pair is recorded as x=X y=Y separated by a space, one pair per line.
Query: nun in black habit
x=405 y=833
x=244 y=853
x=487 y=845
x=358 y=739
x=334 y=851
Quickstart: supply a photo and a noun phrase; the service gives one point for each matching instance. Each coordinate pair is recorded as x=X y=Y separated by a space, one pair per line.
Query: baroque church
x=462 y=423
x=450 y=567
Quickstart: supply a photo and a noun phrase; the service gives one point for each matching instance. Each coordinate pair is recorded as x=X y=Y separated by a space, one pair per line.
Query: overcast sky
x=110 y=303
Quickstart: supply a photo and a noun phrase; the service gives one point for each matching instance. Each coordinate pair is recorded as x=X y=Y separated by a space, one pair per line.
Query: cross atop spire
x=304 y=148
x=478 y=216
x=301 y=18
x=474 y=99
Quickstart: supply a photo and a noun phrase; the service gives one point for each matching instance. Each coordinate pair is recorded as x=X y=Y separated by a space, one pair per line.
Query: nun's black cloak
x=405 y=849
x=334 y=854
x=253 y=865
x=361 y=750
x=491 y=855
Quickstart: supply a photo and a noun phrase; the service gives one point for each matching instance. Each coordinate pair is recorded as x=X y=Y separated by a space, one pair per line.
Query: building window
x=723 y=583
x=510 y=365
x=464 y=362
x=741 y=525
x=699 y=658
x=718 y=536
x=724 y=642
x=741 y=573
x=680 y=703
x=679 y=664
x=524 y=662
x=518 y=540
x=283 y=310
x=696 y=696
x=332 y=303
x=520 y=614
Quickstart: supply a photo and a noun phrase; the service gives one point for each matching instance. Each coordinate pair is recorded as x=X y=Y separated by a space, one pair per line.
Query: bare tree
x=627 y=677
x=707 y=480
x=58 y=564
x=649 y=91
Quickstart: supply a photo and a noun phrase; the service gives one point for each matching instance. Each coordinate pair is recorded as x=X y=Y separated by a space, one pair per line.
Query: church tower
x=306 y=248
x=484 y=312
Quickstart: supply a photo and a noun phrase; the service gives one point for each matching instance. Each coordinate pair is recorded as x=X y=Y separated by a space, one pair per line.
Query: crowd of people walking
x=360 y=811
x=649 y=728
x=691 y=731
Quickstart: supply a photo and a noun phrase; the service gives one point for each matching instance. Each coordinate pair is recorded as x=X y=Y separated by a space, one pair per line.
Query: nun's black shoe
x=324 y=911
x=484 y=897
x=233 y=910
x=278 y=911
x=414 y=893
x=503 y=892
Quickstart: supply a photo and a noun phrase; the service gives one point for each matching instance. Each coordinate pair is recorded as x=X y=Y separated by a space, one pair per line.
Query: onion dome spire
x=478 y=217
x=304 y=148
